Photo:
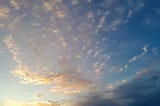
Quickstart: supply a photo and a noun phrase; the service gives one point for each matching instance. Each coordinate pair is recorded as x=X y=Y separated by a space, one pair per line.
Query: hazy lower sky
x=79 y=52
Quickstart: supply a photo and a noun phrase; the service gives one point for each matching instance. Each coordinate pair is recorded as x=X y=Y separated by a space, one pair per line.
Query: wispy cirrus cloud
x=134 y=58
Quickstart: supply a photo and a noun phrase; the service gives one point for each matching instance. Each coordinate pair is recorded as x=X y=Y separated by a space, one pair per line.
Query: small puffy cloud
x=89 y=1
x=145 y=48
x=124 y=68
x=15 y=4
x=74 y=2
x=63 y=42
x=60 y=13
x=155 y=50
x=48 y=6
x=55 y=31
x=4 y=12
x=90 y=15
x=98 y=67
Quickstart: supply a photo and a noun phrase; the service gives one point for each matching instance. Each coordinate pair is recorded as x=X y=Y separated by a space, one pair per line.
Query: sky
x=79 y=53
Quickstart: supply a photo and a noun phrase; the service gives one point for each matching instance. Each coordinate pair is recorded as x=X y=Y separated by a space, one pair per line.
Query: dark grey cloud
x=141 y=90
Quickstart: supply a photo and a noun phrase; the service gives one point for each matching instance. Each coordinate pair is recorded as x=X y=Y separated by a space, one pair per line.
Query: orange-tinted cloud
x=4 y=12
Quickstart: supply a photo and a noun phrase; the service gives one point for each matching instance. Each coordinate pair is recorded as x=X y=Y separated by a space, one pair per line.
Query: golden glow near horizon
x=35 y=103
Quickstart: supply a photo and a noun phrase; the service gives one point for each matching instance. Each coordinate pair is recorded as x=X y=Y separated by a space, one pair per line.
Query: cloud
x=142 y=89
x=155 y=50
x=35 y=103
x=97 y=101
x=67 y=81
x=53 y=42
x=134 y=58
x=50 y=52
x=4 y=12
x=138 y=6
x=15 y=4
x=144 y=83
x=119 y=12
x=13 y=48
x=101 y=22
x=64 y=44
x=74 y=2
x=48 y=6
